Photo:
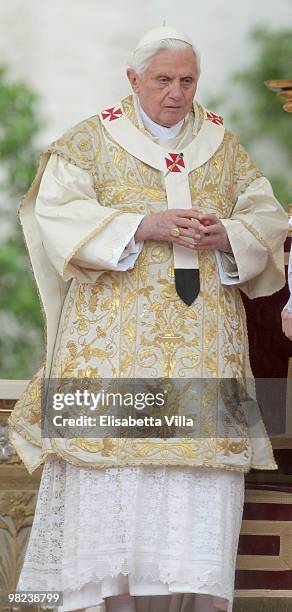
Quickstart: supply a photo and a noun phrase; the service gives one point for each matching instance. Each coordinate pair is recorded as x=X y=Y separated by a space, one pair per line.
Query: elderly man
x=143 y=223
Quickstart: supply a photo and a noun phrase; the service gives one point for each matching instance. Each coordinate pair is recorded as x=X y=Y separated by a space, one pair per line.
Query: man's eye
x=163 y=80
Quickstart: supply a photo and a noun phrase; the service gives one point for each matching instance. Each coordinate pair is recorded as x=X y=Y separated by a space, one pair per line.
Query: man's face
x=167 y=87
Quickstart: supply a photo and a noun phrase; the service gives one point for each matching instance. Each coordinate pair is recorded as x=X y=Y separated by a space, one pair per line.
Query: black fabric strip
x=187 y=283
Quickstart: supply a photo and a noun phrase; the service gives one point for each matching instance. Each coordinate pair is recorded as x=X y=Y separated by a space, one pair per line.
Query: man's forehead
x=172 y=62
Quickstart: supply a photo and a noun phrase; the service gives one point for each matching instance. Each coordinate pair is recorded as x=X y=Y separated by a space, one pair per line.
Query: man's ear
x=134 y=80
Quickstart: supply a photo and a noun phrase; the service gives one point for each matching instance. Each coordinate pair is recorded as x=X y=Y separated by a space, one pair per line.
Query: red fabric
x=174 y=167
x=215 y=118
x=112 y=113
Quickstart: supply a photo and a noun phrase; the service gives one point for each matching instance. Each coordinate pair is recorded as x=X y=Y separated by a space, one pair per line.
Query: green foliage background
x=21 y=338
x=259 y=116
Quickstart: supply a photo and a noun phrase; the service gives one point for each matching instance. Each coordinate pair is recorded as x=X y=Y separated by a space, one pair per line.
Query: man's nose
x=175 y=90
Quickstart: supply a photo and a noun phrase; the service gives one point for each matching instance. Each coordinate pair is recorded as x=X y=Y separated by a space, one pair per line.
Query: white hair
x=140 y=58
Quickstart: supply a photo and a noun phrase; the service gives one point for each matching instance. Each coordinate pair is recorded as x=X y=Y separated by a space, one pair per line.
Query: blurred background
x=63 y=60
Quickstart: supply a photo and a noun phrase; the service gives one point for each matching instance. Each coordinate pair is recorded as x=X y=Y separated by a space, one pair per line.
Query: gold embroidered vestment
x=132 y=324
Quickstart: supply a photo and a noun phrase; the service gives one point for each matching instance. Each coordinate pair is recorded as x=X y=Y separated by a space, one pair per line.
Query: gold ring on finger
x=175 y=232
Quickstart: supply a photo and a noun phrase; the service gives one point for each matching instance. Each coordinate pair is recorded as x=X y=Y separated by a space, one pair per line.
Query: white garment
x=167 y=536
x=99 y=533
x=289 y=304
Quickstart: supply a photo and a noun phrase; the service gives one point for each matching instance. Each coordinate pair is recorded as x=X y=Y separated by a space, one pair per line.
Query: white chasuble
x=103 y=322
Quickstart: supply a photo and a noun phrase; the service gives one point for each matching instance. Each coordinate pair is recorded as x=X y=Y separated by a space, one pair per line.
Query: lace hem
x=195 y=580
x=177 y=525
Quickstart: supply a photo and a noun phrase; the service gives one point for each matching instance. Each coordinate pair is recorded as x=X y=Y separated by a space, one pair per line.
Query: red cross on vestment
x=215 y=118
x=176 y=160
x=112 y=113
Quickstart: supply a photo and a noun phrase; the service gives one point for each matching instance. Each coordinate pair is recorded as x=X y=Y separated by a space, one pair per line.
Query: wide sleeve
x=257 y=229
x=289 y=303
x=81 y=237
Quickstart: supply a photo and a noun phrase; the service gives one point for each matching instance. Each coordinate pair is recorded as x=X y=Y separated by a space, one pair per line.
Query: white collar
x=160 y=130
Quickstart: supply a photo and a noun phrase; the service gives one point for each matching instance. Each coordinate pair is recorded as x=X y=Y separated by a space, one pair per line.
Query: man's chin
x=170 y=124
x=171 y=118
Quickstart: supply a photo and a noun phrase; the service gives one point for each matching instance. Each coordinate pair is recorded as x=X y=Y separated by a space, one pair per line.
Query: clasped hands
x=198 y=231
